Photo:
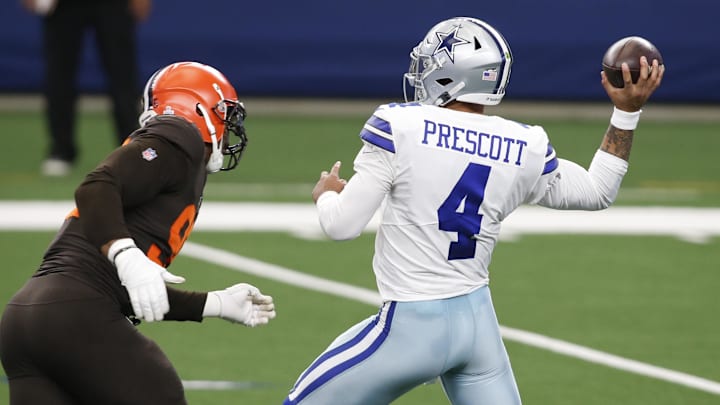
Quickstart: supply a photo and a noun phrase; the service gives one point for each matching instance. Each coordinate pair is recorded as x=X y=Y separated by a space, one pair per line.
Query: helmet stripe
x=506 y=54
x=148 y=92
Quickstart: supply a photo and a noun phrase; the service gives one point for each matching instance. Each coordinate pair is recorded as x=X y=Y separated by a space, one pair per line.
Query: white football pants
x=409 y=343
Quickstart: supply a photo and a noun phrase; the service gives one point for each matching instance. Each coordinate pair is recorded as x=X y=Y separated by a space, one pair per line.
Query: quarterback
x=68 y=335
x=446 y=175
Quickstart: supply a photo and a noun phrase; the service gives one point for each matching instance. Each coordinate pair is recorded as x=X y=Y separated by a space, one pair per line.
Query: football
x=628 y=50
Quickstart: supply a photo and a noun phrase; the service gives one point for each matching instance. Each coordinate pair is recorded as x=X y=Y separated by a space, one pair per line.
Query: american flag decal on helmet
x=490 y=75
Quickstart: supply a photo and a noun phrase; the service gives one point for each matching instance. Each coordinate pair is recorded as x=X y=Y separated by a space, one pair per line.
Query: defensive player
x=66 y=336
x=448 y=175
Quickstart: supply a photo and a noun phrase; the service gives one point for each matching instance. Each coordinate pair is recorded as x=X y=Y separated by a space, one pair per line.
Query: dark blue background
x=360 y=49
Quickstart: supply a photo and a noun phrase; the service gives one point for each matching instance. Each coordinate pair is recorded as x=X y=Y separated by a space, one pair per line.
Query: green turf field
x=671 y=163
x=652 y=299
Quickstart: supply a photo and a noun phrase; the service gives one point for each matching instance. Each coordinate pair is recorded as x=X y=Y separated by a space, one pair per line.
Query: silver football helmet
x=463 y=59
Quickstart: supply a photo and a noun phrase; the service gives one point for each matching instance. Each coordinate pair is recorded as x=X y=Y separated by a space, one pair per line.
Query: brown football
x=628 y=50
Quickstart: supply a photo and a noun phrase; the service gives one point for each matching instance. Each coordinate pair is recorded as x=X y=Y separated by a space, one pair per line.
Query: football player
x=66 y=337
x=447 y=175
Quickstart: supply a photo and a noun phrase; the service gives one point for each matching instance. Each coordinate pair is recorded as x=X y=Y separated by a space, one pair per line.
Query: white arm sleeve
x=574 y=188
x=344 y=215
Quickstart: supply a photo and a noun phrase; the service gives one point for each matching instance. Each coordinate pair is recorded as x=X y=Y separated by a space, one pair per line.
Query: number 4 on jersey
x=460 y=210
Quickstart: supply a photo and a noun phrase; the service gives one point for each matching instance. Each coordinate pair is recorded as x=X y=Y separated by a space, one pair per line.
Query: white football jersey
x=448 y=179
x=457 y=176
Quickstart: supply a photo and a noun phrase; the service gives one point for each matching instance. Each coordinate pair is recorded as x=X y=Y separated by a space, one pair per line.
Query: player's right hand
x=143 y=279
x=633 y=96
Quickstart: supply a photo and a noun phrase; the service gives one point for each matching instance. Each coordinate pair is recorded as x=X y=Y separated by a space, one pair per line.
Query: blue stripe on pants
x=346 y=355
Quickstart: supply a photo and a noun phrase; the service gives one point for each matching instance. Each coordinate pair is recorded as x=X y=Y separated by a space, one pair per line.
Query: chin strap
x=448 y=96
x=215 y=162
x=145 y=117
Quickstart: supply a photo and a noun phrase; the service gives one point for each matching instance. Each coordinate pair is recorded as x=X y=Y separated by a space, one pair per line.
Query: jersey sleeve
x=128 y=177
x=377 y=131
x=185 y=305
x=572 y=187
x=344 y=215
x=550 y=165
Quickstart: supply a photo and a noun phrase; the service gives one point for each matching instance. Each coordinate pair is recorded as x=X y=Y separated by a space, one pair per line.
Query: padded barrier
x=360 y=49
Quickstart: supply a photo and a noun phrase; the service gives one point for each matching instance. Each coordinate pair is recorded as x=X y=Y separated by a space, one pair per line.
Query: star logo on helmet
x=448 y=41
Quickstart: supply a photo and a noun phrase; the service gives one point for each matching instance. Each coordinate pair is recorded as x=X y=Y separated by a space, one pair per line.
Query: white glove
x=143 y=279
x=241 y=303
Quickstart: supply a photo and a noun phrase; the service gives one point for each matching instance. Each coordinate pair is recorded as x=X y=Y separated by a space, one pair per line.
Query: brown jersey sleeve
x=185 y=305
x=134 y=174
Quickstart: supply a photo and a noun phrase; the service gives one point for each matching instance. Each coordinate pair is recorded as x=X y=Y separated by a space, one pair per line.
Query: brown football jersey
x=150 y=190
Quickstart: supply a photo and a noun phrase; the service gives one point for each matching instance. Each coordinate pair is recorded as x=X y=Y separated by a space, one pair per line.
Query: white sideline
x=690 y=224
x=695 y=225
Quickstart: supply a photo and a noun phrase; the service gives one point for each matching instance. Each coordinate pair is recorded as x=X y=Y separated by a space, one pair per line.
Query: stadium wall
x=342 y=49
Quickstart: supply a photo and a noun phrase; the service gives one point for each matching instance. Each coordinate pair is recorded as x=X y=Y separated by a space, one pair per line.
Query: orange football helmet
x=204 y=96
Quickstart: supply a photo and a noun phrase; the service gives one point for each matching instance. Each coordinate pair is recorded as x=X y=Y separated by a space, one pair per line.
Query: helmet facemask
x=235 y=114
x=232 y=115
x=422 y=66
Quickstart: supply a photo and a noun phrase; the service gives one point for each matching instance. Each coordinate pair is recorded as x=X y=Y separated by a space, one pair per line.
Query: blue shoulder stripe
x=377 y=140
x=550 y=151
x=380 y=124
x=550 y=166
x=551 y=161
x=378 y=132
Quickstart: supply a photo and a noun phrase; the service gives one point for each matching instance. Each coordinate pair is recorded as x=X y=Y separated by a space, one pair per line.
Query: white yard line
x=218 y=385
x=610 y=360
x=695 y=225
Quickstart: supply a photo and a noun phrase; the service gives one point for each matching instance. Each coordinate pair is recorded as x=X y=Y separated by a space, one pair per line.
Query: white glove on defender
x=241 y=303
x=143 y=279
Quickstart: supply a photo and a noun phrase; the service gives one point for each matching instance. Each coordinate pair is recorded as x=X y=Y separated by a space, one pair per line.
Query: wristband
x=625 y=120
x=213 y=305
x=118 y=247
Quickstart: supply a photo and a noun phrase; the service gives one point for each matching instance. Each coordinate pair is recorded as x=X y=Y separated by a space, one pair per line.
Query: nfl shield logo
x=149 y=154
